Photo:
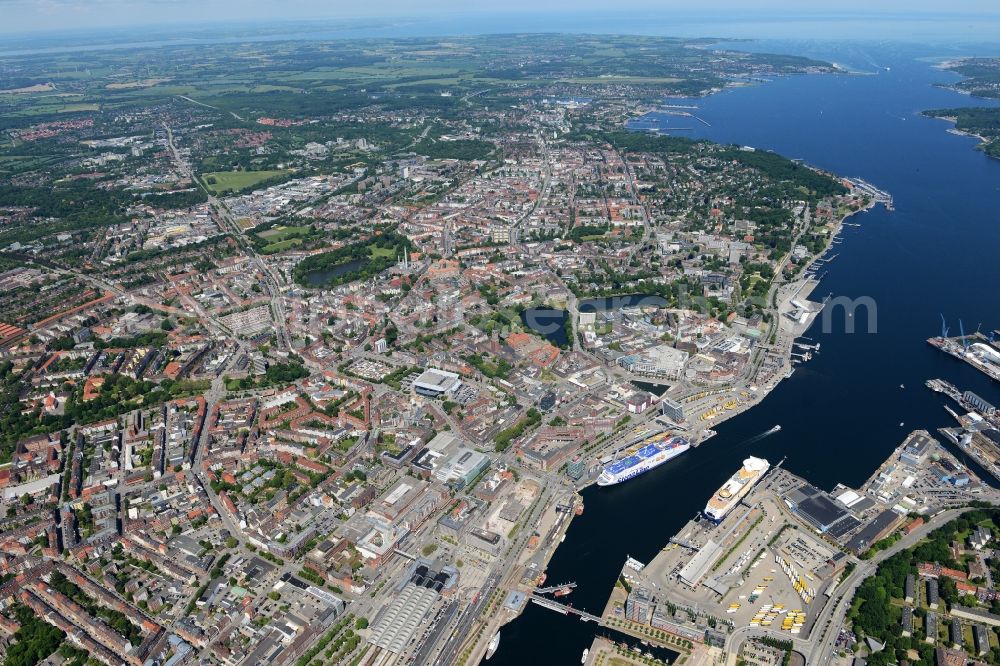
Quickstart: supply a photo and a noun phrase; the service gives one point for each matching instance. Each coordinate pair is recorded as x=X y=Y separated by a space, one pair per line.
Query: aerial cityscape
x=425 y=337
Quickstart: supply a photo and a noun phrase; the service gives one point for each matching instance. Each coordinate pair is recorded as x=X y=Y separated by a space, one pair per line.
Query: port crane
x=944 y=327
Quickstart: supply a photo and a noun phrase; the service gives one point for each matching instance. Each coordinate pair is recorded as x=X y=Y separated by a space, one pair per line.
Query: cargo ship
x=736 y=488
x=652 y=453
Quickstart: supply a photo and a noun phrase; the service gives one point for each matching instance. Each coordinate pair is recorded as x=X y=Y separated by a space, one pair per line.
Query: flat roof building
x=916 y=448
x=878 y=528
x=692 y=572
x=660 y=361
x=955 y=633
x=672 y=409
x=433 y=383
x=462 y=468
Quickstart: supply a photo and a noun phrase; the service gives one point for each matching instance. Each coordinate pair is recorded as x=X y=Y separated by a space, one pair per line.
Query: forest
x=784 y=170
x=978 y=121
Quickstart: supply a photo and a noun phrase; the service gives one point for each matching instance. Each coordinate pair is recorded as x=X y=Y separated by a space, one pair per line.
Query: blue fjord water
x=841 y=412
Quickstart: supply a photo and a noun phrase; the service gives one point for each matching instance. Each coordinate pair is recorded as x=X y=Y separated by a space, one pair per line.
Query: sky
x=19 y=17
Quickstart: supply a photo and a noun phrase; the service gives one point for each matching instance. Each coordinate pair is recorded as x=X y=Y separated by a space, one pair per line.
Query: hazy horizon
x=974 y=18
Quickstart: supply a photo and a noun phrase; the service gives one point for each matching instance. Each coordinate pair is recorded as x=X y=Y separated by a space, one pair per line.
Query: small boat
x=901 y=386
x=493 y=645
x=583 y=659
x=900 y=424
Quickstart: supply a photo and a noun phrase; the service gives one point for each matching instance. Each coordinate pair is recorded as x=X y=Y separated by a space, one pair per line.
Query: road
x=542 y=196
x=271 y=281
x=831 y=619
x=647 y=223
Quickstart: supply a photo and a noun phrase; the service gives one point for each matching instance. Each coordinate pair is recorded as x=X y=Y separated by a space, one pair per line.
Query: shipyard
x=978 y=431
x=979 y=350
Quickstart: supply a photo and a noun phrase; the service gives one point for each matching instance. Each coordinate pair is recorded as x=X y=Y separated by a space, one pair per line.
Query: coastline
x=959 y=132
x=950 y=65
x=903 y=405
x=802 y=287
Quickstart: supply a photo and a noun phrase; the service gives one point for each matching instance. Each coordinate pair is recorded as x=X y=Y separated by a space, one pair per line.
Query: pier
x=969 y=401
x=686 y=114
x=941 y=386
x=553 y=588
x=564 y=609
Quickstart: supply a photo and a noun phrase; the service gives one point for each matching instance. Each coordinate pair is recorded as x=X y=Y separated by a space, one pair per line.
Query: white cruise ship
x=655 y=451
x=736 y=488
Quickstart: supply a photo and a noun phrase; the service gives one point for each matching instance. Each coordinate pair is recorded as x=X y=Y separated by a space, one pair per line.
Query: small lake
x=622 y=301
x=549 y=322
x=649 y=387
x=321 y=277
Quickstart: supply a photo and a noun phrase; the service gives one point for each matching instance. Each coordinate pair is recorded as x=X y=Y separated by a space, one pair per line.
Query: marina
x=878 y=196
